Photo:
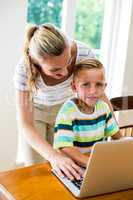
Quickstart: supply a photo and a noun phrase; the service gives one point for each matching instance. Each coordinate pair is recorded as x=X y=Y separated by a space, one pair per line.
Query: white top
x=50 y=95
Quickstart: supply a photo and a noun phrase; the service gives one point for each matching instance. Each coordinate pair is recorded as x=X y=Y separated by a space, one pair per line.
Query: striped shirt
x=49 y=95
x=74 y=128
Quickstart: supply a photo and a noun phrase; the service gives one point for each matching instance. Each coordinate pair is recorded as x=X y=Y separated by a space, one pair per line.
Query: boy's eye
x=99 y=85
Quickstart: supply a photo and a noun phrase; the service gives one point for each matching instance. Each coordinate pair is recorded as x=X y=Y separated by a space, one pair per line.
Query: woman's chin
x=59 y=77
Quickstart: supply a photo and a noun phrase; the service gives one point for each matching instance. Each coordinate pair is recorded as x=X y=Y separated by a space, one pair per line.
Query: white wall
x=12 y=19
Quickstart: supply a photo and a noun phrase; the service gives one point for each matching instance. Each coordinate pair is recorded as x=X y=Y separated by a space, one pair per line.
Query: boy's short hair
x=89 y=63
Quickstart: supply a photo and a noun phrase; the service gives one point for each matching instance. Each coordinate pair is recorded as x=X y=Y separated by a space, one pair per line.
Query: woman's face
x=56 y=66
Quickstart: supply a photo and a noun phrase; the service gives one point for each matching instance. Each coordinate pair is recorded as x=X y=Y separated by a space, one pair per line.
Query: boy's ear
x=73 y=86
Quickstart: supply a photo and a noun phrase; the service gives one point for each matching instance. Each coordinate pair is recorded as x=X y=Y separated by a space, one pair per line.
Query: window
x=89 y=20
x=83 y=20
x=44 y=11
x=88 y=16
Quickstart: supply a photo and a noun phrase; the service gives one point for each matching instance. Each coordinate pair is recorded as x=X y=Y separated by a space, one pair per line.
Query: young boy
x=86 y=119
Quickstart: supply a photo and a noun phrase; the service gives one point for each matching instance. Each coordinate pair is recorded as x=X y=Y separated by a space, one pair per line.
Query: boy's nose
x=92 y=90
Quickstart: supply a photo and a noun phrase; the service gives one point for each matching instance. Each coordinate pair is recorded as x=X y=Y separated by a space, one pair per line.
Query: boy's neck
x=83 y=107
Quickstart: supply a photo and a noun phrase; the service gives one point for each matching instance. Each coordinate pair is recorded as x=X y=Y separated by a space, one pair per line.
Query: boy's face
x=89 y=85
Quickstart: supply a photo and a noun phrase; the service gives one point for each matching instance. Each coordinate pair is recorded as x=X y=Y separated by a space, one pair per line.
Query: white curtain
x=114 y=45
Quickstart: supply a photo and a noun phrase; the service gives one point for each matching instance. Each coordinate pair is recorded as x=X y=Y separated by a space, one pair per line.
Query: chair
x=123 y=110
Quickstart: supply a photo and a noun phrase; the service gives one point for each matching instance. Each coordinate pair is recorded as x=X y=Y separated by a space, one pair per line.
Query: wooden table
x=37 y=183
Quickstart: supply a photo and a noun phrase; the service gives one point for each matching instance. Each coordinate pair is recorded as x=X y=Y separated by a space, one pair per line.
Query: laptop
x=109 y=169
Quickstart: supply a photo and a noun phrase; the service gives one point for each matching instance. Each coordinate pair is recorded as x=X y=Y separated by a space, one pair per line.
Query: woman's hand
x=64 y=166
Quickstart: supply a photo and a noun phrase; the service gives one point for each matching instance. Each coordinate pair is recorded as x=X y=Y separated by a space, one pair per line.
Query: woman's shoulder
x=21 y=66
x=20 y=77
x=83 y=51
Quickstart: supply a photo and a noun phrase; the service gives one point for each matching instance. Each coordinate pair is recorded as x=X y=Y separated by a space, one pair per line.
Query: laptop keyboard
x=67 y=181
x=77 y=183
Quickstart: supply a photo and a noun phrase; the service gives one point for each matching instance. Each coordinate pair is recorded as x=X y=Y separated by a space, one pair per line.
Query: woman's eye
x=55 y=70
x=86 y=84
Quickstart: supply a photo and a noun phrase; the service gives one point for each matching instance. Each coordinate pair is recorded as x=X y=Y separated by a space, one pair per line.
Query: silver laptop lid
x=110 y=168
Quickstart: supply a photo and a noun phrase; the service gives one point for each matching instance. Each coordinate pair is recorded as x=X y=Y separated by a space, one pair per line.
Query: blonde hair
x=43 y=40
x=86 y=64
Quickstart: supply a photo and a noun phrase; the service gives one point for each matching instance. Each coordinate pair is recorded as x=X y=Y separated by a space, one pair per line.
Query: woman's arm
x=105 y=98
x=75 y=154
x=117 y=135
x=25 y=118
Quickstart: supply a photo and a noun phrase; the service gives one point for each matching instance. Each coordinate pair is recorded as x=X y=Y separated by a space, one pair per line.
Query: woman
x=42 y=80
